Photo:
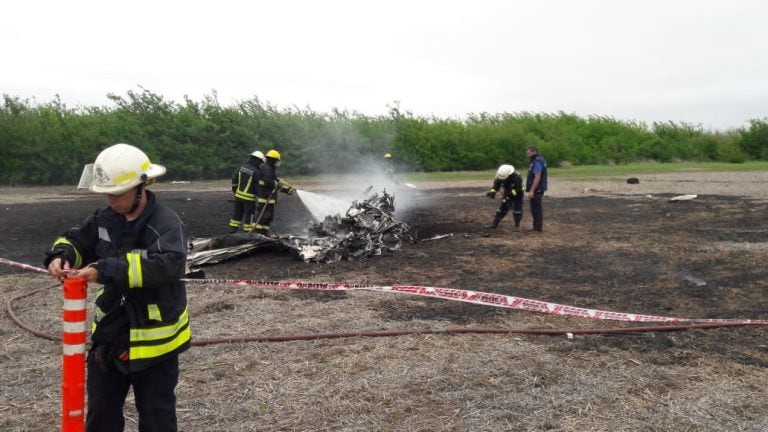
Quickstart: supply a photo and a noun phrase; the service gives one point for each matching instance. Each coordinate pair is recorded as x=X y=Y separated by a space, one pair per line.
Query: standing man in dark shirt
x=536 y=185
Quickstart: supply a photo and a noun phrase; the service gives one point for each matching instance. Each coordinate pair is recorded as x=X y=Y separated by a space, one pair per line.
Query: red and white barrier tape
x=474 y=297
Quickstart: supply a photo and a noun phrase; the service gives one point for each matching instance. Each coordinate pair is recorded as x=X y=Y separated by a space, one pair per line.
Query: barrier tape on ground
x=477 y=297
x=467 y=296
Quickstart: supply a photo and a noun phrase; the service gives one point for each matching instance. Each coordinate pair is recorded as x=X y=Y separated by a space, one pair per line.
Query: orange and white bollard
x=73 y=371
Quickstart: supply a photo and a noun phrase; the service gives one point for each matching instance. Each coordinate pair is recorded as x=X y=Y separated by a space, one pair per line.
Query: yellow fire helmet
x=274 y=154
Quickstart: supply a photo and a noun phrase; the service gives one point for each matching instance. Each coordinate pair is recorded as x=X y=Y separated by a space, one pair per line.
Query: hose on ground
x=389 y=333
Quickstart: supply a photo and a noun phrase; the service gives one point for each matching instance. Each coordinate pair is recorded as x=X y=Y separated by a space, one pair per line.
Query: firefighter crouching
x=269 y=185
x=136 y=248
x=512 y=183
x=245 y=184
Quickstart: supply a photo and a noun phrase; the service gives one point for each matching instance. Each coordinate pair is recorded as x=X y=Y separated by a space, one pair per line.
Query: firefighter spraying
x=269 y=185
x=137 y=249
x=245 y=184
x=512 y=183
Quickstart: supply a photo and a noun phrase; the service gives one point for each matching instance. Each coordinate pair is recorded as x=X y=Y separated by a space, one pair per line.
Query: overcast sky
x=695 y=61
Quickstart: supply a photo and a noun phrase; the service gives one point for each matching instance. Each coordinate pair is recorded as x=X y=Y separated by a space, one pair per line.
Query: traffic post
x=73 y=359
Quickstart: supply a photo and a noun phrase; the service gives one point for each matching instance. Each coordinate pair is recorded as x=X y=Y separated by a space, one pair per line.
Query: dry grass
x=410 y=383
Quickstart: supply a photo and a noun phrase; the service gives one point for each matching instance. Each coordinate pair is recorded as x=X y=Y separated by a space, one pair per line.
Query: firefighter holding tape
x=512 y=183
x=269 y=185
x=136 y=248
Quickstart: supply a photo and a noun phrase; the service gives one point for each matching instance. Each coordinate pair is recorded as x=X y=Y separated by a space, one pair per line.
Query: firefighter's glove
x=491 y=194
x=290 y=191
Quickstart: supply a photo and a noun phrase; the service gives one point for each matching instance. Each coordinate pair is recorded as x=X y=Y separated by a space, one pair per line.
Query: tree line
x=48 y=143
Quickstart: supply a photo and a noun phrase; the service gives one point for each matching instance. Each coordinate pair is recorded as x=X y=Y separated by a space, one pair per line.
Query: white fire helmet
x=504 y=171
x=259 y=155
x=122 y=167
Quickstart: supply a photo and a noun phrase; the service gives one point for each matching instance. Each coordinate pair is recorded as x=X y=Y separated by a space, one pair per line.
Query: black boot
x=495 y=223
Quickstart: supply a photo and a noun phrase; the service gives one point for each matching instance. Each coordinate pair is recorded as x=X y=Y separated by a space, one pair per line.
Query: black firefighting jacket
x=140 y=265
x=246 y=180
x=270 y=184
x=513 y=186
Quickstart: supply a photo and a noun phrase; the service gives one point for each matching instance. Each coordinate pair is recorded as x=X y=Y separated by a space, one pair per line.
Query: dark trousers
x=264 y=216
x=517 y=209
x=537 y=211
x=243 y=211
x=153 y=390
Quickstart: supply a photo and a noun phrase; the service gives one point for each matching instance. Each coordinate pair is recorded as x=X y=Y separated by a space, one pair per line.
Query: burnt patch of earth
x=632 y=252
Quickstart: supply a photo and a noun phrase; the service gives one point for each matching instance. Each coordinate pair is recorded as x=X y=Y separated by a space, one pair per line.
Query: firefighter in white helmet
x=245 y=184
x=136 y=248
x=269 y=185
x=512 y=183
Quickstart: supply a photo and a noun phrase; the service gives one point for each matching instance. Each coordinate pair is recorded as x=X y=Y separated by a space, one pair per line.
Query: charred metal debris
x=368 y=228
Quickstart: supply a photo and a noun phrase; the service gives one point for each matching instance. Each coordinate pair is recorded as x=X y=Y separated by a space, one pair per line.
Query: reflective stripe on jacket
x=513 y=186
x=140 y=265
x=245 y=182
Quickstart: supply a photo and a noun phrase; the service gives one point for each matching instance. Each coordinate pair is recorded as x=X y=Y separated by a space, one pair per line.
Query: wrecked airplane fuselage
x=368 y=228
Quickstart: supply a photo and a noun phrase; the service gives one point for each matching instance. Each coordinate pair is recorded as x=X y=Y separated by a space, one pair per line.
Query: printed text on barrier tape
x=475 y=297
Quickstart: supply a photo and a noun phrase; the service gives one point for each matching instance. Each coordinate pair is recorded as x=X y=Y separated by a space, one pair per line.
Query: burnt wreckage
x=367 y=228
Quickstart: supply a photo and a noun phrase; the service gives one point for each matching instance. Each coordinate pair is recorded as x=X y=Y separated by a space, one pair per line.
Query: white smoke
x=320 y=206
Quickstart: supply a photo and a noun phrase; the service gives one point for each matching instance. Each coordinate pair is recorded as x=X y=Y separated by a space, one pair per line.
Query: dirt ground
x=606 y=245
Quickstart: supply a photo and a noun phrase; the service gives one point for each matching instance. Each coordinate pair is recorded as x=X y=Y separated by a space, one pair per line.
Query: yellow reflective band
x=153 y=312
x=245 y=196
x=152 y=351
x=78 y=258
x=145 y=165
x=135 y=279
x=125 y=177
x=159 y=333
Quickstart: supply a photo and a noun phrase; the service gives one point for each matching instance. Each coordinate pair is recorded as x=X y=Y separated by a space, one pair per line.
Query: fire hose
x=264 y=207
x=460 y=295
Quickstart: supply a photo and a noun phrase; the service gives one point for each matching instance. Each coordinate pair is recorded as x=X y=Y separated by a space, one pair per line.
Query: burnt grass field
x=607 y=247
